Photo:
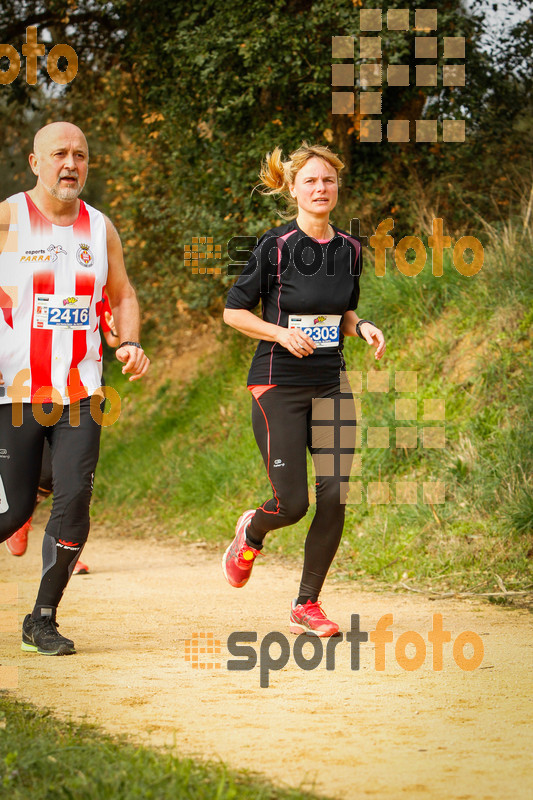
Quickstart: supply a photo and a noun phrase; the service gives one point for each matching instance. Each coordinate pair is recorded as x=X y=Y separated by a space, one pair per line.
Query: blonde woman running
x=306 y=276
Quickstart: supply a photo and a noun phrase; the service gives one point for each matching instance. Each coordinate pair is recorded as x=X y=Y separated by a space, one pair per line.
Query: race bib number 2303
x=322 y=328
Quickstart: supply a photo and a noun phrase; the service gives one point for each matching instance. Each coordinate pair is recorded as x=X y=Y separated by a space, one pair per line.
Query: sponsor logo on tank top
x=55 y=250
x=35 y=255
x=40 y=256
x=84 y=255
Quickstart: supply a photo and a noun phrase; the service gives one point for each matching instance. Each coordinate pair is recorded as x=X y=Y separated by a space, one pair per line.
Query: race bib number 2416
x=53 y=311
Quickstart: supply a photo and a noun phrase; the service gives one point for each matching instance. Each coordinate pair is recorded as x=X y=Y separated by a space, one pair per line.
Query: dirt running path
x=449 y=735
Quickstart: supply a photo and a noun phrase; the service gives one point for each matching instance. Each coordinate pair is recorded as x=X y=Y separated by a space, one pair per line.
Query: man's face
x=61 y=162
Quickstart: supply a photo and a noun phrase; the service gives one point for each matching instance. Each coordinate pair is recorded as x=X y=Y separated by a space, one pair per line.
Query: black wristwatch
x=358 y=327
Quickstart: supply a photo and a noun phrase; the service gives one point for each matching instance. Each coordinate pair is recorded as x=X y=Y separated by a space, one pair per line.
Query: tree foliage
x=181 y=101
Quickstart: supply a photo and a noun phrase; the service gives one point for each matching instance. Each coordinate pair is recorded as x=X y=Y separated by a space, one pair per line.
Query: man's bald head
x=56 y=130
x=60 y=160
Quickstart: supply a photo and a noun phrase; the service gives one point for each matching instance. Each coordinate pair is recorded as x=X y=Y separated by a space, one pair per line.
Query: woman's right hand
x=295 y=341
x=292 y=339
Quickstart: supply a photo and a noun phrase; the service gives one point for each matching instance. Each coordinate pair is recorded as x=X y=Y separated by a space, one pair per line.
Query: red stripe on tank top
x=84 y=286
x=38 y=223
x=82 y=226
x=41 y=339
x=6 y=304
x=75 y=388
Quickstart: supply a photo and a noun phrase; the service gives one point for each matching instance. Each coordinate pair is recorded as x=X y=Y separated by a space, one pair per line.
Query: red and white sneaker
x=17 y=544
x=80 y=568
x=238 y=560
x=311 y=619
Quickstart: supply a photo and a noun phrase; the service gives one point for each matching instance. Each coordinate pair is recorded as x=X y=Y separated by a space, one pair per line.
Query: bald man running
x=57 y=254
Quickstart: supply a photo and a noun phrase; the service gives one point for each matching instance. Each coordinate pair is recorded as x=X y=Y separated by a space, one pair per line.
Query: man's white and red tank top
x=51 y=284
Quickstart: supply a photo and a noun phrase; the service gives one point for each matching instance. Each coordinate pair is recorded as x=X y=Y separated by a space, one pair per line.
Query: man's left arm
x=123 y=301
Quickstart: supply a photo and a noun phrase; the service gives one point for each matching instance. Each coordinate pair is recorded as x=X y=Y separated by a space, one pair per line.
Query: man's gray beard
x=66 y=193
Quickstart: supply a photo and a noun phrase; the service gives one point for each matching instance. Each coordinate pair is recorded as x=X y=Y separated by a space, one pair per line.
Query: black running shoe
x=41 y=636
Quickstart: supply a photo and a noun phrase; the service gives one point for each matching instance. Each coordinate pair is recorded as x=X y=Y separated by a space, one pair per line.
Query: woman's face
x=316 y=187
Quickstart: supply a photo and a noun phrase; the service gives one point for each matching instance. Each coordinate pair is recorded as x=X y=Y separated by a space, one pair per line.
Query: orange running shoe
x=17 y=544
x=80 y=568
x=238 y=560
x=311 y=619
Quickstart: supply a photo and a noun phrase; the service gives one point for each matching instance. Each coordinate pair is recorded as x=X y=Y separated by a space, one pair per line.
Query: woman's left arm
x=369 y=332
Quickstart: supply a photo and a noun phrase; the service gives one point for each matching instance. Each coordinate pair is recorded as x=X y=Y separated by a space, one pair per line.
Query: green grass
x=183 y=461
x=42 y=758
